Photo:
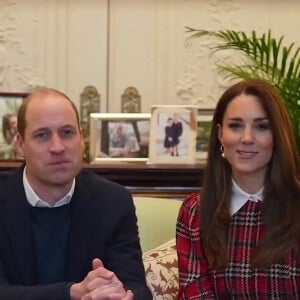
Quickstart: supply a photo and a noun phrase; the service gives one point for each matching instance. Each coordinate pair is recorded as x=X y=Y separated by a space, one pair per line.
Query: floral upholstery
x=162 y=271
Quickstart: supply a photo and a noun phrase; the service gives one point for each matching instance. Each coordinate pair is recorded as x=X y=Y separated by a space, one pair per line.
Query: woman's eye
x=263 y=126
x=234 y=125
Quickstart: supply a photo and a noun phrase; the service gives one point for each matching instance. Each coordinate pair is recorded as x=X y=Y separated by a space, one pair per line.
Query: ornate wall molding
x=16 y=70
x=113 y=44
x=57 y=43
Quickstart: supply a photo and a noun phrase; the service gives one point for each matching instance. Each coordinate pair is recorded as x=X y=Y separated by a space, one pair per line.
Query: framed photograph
x=119 y=137
x=9 y=105
x=204 y=119
x=173 y=134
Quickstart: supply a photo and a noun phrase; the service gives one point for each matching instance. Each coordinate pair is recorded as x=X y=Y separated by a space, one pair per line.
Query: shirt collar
x=240 y=197
x=35 y=201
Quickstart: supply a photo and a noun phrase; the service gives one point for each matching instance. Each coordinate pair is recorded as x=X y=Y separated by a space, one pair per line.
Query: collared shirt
x=240 y=197
x=35 y=201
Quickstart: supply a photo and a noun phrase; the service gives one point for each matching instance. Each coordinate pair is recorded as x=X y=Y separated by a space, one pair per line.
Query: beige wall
x=113 y=44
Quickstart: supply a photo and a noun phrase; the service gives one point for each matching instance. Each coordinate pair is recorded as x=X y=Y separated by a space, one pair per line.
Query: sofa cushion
x=162 y=271
x=156 y=220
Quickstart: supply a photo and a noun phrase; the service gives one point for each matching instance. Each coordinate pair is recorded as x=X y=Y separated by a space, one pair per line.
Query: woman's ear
x=220 y=133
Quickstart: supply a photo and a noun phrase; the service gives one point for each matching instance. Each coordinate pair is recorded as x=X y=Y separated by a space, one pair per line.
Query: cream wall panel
x=113 y=44
x=147 y=45
x=143 y=35
x=56 y=43
x=198 y=79
x=17 y=71
x=87 y=47
x=131 y=49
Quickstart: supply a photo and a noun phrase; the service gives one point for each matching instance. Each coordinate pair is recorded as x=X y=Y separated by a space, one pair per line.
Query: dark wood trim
x=144 y=179
x=14 y=94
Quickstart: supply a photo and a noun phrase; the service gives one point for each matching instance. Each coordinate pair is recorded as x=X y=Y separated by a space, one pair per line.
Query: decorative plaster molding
x=17 y=72
x=202 y=83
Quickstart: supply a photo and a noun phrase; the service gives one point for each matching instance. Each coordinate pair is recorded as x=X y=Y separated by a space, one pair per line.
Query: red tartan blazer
x=238 y=280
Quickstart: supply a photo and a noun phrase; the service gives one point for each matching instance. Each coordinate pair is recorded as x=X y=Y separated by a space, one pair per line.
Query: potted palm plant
x=267 y=58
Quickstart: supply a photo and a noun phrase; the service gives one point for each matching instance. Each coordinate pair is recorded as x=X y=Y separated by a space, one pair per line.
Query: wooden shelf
x=144 y=179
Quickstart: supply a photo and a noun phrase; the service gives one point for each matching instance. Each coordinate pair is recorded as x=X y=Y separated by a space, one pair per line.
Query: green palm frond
x=267 y=58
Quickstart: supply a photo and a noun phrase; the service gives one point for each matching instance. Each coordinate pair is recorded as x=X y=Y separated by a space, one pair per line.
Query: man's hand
x=100 y=283
x=108 y=294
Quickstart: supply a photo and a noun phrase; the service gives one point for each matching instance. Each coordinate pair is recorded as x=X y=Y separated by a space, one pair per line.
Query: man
x=64 y=233
x=118 y=137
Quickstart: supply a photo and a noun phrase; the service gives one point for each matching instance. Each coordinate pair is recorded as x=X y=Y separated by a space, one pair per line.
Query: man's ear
x=20 y=143
x=82 y=145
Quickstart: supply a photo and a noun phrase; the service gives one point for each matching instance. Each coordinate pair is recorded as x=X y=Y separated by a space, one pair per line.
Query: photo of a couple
x=173 y=132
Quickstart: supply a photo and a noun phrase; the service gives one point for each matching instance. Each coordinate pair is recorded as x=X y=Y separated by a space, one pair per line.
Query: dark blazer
x=103 y=225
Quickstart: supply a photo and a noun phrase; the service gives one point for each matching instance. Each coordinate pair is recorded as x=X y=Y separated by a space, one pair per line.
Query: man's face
x=52 y=144
x=119 y=130
x=176 y=117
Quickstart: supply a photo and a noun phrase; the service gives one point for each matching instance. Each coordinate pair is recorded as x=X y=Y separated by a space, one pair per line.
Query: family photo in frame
x=9 y=105
x=204 y=120
x=173 y=134
x=116 y=137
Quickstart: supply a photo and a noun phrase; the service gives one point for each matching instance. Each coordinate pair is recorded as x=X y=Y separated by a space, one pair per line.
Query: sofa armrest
x=162 y=271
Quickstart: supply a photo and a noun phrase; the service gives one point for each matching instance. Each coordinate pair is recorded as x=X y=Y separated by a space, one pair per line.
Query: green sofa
x=157 y=222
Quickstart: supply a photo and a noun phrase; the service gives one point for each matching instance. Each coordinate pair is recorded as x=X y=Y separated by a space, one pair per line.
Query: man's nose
x=57 y=144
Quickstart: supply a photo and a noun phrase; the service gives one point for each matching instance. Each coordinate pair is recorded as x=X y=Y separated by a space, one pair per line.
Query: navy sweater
x=50 y=233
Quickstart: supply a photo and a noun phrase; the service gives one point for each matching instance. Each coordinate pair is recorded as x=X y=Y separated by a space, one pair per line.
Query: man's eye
x=41 y=135
x=68 y=132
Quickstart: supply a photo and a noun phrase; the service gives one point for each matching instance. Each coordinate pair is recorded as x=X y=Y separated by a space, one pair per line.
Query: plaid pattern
x=238 y=281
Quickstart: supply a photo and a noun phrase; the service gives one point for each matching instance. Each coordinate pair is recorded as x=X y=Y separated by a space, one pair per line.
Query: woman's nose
x=247 y=136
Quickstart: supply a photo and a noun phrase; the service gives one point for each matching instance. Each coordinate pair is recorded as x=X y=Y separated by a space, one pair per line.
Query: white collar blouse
x=240 y=197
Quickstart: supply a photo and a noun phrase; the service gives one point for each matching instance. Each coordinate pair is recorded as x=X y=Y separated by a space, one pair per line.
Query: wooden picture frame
x=9 y=106
x=204 y=120
x=173 y=134
x=119 y=137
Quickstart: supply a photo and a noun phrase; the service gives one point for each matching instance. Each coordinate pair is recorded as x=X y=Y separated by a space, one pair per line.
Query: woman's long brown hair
x=281 y=202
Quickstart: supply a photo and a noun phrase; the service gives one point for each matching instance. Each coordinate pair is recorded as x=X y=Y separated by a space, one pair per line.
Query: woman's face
x=247 y=139
x=13 y=124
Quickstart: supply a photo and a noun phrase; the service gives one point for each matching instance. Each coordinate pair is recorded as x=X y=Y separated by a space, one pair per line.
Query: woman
x=241 y=241
x=9 y=127
x=169 y=138
x=9 y=132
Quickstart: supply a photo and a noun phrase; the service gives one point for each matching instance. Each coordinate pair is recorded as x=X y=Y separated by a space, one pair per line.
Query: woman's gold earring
x=222 y=151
